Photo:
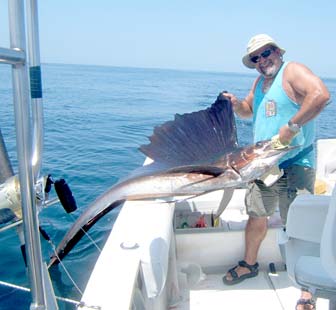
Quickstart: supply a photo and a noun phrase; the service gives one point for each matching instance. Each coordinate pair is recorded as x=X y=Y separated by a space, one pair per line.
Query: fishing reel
x=10 y=197
x=10 y=203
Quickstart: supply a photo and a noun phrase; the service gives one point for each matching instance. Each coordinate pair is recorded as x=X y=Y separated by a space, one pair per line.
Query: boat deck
x=266 y=291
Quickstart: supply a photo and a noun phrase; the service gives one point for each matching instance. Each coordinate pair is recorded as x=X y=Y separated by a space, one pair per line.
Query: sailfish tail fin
x=191 y=137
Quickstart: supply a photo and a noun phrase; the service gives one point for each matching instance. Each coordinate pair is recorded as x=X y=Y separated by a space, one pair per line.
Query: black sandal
x=236 y=279
x=306 y=302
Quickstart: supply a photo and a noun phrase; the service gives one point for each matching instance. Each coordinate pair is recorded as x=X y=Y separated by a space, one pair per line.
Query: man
x=284 y=100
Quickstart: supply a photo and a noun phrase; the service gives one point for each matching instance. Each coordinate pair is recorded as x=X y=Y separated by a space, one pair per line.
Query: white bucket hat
x=254 y=44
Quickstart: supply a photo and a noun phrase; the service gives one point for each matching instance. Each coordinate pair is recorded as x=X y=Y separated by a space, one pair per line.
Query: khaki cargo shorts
x=261 y=200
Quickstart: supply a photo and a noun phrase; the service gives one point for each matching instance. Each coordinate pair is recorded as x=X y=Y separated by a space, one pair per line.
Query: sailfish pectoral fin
x=228 y=177
x=213 y=171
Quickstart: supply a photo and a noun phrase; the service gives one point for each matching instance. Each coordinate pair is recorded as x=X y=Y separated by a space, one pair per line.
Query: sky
x=207 y=35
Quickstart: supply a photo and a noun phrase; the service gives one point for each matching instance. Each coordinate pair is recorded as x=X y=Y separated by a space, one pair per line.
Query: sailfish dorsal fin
x=194 y=137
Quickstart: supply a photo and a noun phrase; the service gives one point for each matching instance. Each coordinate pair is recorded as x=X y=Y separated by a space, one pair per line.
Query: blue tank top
x=271 y=111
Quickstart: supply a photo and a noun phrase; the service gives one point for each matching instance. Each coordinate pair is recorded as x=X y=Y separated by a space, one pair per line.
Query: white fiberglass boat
x=156 y=257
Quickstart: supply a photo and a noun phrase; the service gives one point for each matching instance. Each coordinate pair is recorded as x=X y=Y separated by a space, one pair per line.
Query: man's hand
x=283 y=139
x=277 y=144
x=234 y=100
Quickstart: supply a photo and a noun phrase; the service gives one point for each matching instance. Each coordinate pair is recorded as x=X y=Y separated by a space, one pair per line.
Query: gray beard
x=271 y=71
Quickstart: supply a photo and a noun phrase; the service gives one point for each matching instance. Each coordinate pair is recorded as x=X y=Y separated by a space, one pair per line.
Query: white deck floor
x=265 y=292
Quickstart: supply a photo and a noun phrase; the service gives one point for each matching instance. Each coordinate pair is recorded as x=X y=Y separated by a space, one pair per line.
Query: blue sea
x=95 y=119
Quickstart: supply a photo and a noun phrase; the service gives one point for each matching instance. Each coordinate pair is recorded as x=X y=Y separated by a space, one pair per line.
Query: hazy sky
x=182 y=34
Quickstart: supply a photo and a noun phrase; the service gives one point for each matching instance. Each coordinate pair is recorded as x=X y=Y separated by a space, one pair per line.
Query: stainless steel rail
x=12 y=56
x=33 y=48
x=25 y=112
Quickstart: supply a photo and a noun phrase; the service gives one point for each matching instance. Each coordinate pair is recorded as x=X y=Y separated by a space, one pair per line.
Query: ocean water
x=95 y=119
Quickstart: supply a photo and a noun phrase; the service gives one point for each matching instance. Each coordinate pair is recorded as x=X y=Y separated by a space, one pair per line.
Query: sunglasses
x=264 y=54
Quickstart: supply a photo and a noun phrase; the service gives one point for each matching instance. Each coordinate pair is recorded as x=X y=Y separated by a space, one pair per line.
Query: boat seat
x=326 y=166
x=310 y=273
x=311 y=259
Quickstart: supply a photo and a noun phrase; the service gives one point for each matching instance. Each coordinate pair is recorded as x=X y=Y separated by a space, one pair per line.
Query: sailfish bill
x=194 y=154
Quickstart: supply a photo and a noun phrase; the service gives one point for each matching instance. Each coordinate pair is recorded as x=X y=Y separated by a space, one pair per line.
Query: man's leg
x=255 y=233
x=261 y=202
x=299 y=179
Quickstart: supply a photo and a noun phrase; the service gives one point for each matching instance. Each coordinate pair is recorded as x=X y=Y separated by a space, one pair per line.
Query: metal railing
x=28 y=110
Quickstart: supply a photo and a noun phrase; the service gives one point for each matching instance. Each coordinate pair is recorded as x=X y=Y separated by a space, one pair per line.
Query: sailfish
x=194 y=154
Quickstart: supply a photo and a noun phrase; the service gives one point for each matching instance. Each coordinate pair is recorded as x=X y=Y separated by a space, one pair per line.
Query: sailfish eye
x=259 y=144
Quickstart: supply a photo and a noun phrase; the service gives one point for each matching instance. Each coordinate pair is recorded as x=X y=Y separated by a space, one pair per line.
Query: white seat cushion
x=309 y=272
